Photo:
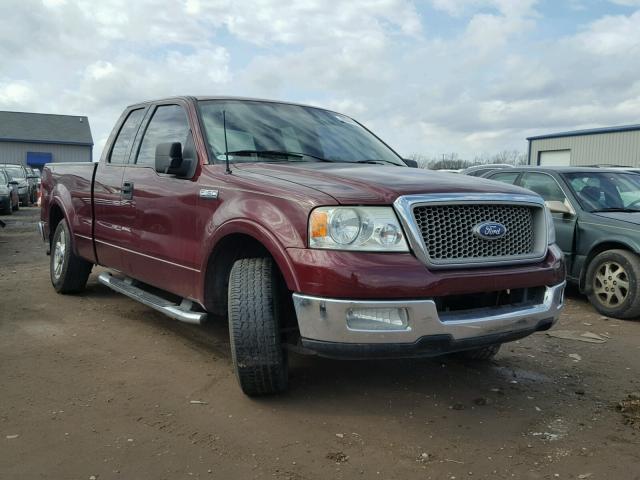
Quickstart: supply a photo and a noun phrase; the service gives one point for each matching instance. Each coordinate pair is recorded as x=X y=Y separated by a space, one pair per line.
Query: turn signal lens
x=318 y=224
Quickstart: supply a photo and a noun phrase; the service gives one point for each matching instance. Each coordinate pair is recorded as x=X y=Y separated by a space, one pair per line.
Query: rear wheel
x=612 y=278
x=69 y=272
x=254 y=327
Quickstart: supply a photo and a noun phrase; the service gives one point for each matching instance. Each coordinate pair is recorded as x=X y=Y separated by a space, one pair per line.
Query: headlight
x=551 y=228
x=356 y=228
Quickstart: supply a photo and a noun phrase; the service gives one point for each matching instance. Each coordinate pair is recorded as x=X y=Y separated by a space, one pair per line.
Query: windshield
x=15 y=172
x=602 y=191
x=268 y=132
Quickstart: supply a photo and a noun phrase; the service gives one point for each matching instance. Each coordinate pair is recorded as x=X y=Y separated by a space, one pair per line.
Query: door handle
x=127 y=190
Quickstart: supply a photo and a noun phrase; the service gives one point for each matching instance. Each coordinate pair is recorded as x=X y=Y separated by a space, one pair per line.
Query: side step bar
x=182 y=311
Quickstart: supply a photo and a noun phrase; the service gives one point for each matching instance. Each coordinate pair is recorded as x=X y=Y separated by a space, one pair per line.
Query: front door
x=165 y=249
x=548 y=188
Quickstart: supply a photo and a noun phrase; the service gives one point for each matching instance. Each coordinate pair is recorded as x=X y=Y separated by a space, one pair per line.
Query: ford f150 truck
x=306 y=231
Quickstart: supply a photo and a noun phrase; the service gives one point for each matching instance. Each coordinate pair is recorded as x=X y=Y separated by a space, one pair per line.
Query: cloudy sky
x=429 y=76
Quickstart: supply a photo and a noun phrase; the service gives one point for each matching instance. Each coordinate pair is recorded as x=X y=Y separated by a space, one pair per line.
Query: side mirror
x=169 y=159
x=556 y=206
x=410 y=163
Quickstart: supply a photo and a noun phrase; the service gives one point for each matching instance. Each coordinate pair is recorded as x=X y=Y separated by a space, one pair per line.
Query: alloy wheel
x=611 y=284
x=58 y=254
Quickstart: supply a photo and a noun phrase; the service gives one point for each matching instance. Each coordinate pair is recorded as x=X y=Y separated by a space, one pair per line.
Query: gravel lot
x=96 y=385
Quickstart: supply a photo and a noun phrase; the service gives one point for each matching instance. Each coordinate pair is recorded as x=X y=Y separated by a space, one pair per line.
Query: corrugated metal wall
x=617 y=148
x=15 y=152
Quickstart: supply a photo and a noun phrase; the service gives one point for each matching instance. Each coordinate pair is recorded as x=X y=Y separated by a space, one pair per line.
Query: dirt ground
x=98 y=386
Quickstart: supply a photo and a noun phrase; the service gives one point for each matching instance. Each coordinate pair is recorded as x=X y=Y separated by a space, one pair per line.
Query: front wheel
x=254 y=327
x=612 y=280
x=69 y=272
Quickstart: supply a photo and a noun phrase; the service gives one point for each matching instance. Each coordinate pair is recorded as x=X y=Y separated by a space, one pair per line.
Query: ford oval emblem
x=490 y=230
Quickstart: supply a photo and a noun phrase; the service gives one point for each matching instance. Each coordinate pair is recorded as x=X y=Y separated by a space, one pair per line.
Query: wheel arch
x=234 y=240
x=597 y=250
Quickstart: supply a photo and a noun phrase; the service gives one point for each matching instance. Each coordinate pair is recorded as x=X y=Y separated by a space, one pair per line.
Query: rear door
x=166 y=250
x=549 y=189
x=112 y=217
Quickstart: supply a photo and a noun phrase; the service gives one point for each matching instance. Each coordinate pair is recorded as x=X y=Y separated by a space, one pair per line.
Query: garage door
x=555 y=158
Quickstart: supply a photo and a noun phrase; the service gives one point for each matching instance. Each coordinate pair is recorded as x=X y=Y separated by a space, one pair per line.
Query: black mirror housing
x=169 y=159
x=410 y=163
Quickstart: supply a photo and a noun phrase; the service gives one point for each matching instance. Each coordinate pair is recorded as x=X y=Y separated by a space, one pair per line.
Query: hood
x=627 y=217
x=352 y=183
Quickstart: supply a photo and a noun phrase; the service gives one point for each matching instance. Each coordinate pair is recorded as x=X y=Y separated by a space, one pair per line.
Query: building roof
x=45 y=128
x=590 y=131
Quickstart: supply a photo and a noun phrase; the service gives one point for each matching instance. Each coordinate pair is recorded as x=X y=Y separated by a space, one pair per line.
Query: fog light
x=377 y=319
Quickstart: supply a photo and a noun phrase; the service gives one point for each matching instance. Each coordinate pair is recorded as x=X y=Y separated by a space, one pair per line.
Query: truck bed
x=71 y=184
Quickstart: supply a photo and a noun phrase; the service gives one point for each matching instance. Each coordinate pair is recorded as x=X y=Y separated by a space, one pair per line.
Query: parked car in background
x=33 y=176
x=480 y=170
x=596 y=213
x=19 y=174
x=307 y=231
x=9 y=200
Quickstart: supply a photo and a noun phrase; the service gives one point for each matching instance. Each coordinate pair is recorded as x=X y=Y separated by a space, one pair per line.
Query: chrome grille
x=447 y=232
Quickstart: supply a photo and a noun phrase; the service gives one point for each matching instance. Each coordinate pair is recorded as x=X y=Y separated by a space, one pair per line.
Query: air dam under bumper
x=419 y=330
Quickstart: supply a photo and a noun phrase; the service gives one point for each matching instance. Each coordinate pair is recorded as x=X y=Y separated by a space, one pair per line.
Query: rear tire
x=254 y=327
x=480 y=354
x=69 y=272
x=613 y=284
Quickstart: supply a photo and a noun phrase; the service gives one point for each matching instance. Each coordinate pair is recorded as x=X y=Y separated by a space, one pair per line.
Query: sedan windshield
x=275 y=132
x=606 y=191
x=15 y=172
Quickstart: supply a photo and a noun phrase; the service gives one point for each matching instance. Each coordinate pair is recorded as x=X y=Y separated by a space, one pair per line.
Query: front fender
x=262 y=235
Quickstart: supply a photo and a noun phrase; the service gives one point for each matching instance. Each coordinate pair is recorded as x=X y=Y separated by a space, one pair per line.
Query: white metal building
x=37 y=138
x=599 y=146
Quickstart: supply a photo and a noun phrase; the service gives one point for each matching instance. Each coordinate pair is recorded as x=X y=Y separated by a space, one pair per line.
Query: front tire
x=259 y=360
x=69 y=272
x=612 y=280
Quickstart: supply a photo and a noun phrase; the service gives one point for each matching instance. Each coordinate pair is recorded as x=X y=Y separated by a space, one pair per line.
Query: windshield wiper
x=616 y=209
x=269 y=153
x=377 y=162
x=277 y=153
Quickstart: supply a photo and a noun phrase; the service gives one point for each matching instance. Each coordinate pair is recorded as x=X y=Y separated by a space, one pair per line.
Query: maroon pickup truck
x=304 y=230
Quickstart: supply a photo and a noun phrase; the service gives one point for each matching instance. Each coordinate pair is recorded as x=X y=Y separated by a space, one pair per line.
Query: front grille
x=447 y=232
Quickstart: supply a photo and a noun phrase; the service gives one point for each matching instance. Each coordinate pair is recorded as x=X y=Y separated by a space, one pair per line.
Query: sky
x=428 y=76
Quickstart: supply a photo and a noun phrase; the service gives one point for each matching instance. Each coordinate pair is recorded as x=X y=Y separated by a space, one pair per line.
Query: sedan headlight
x=551 y=228
x=370 y=229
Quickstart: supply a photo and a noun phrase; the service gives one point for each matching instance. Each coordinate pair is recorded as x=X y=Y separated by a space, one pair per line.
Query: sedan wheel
x=611 y=284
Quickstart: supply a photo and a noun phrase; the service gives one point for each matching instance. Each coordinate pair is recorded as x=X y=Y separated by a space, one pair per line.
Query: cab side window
x=169 y=124
x=505 y=177
x=125 y=136
x=544 y=185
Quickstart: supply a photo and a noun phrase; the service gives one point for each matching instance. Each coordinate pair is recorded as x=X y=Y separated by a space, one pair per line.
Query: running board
x=182 y=311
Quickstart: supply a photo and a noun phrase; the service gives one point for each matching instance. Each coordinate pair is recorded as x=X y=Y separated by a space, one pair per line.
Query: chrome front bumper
x=323 y=320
